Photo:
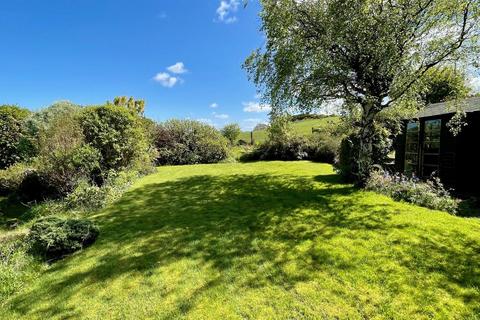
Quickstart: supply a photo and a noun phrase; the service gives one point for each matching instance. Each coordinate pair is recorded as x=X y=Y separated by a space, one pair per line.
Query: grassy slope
x=301 y=127
x=270 y=240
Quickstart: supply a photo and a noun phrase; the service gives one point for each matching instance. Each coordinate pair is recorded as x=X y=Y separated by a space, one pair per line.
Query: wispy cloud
x=166 y=79
x=214 y=105
x=253 y=106
x=177 y=68
x=226 y=11
x=220 y=115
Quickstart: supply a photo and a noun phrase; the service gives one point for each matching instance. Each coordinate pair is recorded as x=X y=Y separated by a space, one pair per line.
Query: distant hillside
x=303 y=127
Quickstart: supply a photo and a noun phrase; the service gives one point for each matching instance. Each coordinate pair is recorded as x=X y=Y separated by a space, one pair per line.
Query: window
x=431 y=147
x=411 y=148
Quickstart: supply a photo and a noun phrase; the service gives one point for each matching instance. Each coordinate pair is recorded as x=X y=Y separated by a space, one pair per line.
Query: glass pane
x=411 y=147
x=431 y=147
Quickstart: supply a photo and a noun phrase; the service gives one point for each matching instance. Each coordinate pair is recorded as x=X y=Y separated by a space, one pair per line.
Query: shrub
x=189 y=142
x=323 y=147
x=117 y=134
x=87 y=197
x=231 y=132
x=12 y=177
x=430 y=194
x=15 y=143
x=17 y=267
x=61 y=171
x=53 y=238
x=345 y=164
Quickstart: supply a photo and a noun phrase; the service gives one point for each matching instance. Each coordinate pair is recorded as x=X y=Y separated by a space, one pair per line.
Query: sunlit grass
x=270 y=240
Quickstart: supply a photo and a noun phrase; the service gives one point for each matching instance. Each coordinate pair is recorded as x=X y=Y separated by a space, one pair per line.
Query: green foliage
x=53 y=238
x=88 y=197
x=135 y=106
x=43 y=119
x=368 y=55
x=430 y=194
x=444 y=84
x=12 y=177
x=188 y=142
x=15 y=143
x=231 y=132
x=117 y=134
x=324 y=147
x=17 y=267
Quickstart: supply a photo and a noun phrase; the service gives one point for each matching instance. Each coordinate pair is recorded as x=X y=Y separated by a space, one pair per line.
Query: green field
x=303 y=127
x=270 y=240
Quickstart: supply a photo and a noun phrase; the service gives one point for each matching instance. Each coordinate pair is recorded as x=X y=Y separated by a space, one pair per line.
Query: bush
x=12 y=177
x=189 y=142
x=323 y=147
x=430 y=194
x=62 y=171
x=15 y=143
x=53 y=238
x=345 y=165
x=87 y=197
x=117 y=134
x=17 y=267
x=231 y=132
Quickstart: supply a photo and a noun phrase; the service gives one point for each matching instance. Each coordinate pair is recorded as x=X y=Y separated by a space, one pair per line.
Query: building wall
x=459 y=155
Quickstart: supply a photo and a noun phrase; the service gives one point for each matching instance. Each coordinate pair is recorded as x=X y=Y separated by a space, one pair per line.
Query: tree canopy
x=370 y=54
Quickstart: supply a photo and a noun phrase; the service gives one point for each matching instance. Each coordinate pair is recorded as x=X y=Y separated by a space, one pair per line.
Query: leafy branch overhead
x=371 y=55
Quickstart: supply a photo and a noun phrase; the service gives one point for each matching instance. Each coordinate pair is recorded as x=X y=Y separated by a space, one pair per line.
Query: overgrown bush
x=87 y=197
x=53 y=238
x=321 y=147
x=117 y=134
x=17 y=267
x=15 y=143
x=12 y=177
x=189 y=142
x=430 y=194
x=345 y=165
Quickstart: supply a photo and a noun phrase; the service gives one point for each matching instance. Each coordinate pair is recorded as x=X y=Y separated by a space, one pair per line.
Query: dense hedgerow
x=189 y=142
x=53 y=238
x=430 y=194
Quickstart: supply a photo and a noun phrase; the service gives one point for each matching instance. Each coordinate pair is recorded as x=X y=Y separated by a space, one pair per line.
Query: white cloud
x=253 y=106
x=220 y=116
x=226 y=10
x=214 y=105
x=249 y=124
x=177 y=68
x=166 y=79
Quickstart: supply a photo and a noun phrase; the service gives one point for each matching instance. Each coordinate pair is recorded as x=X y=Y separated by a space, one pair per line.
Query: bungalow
x=427 y=146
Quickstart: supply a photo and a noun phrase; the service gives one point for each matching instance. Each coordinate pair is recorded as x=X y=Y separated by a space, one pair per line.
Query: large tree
x=370 y=54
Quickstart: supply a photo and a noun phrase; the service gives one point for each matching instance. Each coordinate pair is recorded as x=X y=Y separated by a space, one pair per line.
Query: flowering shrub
x=430 y=194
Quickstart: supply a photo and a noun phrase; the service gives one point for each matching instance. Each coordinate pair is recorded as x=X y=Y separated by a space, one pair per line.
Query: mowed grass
x=270 y=240
x=303 y=127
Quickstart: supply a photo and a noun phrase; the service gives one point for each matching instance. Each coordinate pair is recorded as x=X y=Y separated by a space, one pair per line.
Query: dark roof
x=436 y=109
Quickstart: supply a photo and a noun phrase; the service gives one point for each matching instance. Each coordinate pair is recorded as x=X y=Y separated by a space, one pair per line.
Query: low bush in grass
x=53 y=238
x=182 y=142
x=88 y=197
x=17 y=267
x=430 y=194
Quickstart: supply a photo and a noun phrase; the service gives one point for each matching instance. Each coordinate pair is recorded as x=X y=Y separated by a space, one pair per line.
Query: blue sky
x=183 y=57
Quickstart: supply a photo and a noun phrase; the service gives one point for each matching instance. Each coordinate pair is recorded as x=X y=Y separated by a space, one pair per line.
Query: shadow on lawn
x=224 y=222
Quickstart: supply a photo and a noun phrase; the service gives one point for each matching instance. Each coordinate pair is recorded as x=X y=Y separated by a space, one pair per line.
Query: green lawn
x=303 y=127
x=270 y=240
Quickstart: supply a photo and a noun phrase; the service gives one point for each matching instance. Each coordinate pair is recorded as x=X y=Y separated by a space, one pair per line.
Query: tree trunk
x=364 y=152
